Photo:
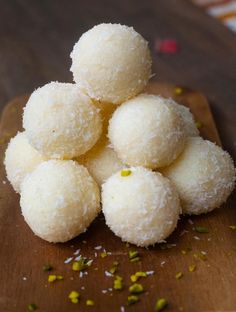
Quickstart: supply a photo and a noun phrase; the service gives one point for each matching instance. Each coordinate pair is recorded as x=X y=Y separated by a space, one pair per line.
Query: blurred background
x=193 y=44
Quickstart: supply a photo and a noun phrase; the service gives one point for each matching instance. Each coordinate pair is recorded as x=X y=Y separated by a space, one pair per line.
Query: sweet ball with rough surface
x=189 y=123
x=204 y=176
x=60 y=121
x=20 y=159
x=140 y=206
x=147 y=131
x=101 y=161
x=111 y=62
x=59 y=200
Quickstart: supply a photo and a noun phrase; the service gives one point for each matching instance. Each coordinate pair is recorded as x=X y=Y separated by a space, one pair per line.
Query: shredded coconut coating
x=59 y=200
x=204 y=176
x=20 y=159
x=106 y=110
x=142 y=208
x=111 y=62
x=146 y=131
x=60 y=121
x=101 y=161
x=187 y=117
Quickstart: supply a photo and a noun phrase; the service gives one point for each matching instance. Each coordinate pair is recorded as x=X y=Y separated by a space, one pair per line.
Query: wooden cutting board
x=211 y=287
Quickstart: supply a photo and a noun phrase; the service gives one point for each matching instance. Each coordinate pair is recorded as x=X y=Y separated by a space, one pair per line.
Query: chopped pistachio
x=74 y=300
x=125 y=173
x=141 y=274
x=113 y=269
x=200 y=256
x=103 y=255
x=52 y=278
x=201 y=229
x=232 y=227
x=118 y=277
x=137 y=275
x=192 y=268
x=198 y=124
x=136 y=288
x=133 y=299
x=32 y=307
x=89 y=303
x=118 y=284
x=47 y=267
x=179 y=275
x=133 y=278
x=136 y=259
x=178 y=91
x=81 y=264
x=133 y=254
x=161 y=304
x=74 y=296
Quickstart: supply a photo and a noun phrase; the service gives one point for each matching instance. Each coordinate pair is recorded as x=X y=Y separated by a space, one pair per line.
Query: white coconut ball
x=59 y=200
x=146 y=131
x=20 y=159
x=140 y=206
x=185 y=113
x=204 y=176
x=111 y=62
x=60 y=121
x=101 y=161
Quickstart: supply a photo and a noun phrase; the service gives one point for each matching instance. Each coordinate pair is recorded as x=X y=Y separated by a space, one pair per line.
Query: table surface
x=36 y=38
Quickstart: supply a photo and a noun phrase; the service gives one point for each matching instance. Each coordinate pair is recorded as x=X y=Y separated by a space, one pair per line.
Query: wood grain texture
x=36 y=38
x=22 y=255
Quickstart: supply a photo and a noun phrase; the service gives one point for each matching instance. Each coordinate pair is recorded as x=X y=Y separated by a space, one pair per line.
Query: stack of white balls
x=71 y=127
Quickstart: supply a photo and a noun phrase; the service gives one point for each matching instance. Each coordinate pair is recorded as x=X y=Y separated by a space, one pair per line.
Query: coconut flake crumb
x=122 y=309
x=190 y=221
x=68 y=260
x=196 y=237
x=77 y=252
x=78 y=258
x=98 y=247
x=108 y=274
x=24 y=278
x=149 y=272
x=104 y=291
x=162 y=263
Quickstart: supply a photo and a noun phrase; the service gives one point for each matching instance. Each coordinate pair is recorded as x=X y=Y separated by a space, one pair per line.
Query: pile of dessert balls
x=101 y=133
